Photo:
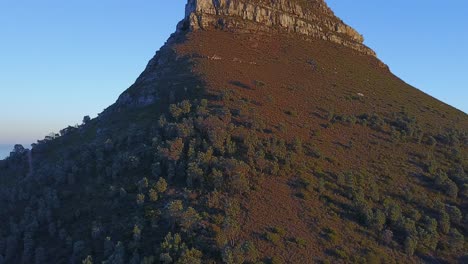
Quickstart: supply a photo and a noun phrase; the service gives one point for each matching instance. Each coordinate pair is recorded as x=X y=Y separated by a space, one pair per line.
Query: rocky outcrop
x=310 y=18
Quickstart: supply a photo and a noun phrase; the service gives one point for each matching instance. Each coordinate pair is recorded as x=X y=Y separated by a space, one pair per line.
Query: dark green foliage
x=444 y=222
x=428 y=238
x=456 y=239
x=175 y=250
x=273 y=237
x=300 y=242
x=180 y=109
x=410 y=245
x=393 y=211
x=455 y=214
x=161 y=185
x=86 y=119
x=331 y=235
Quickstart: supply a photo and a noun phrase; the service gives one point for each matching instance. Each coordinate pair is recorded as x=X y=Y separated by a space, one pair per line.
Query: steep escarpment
x=308 y=18
x=247 y=143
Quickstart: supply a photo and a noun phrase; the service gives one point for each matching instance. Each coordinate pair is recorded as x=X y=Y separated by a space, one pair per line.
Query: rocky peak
x=310 y=18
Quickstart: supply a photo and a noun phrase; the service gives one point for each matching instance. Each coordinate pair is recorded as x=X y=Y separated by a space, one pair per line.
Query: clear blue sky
x=61 y=60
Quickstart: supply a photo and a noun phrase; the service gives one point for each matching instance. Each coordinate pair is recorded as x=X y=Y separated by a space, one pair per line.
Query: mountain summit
x=261 y=132
x=312 y=19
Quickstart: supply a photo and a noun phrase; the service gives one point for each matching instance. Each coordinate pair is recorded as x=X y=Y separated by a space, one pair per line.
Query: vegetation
x=223 y=175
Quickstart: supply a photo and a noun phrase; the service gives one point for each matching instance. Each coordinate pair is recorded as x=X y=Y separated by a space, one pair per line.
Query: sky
x=62 y=60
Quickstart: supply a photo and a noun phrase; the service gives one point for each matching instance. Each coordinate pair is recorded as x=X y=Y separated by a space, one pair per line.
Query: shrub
x=428 y=238
x=300 y=242
x=387 y=236
x=140 y=199
x=153 y=195
x=407 y=226
x=250 y=251
x=430 y=224
x=174 y=149
x=86 y=119
x=161 y=185
x=378 y=220
x=456 y=239
x=182 y=108
x=258 y=83
x=431 y=141
x=340 y=253
x=393 y=211
x=87 y=260
x=143 y=184
x=136 y=233
x=451 y=189
x=410 y=245
x=331 y=235
x=189 y=219
x=280 y=231
x=455 y=214
x=276 y=260
x=273 y=238
x=444 y=222
x=414 y=214
x=175 y=208
x=190 y=256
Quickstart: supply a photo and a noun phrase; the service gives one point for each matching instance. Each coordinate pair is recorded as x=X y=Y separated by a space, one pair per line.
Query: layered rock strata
x=310 y=18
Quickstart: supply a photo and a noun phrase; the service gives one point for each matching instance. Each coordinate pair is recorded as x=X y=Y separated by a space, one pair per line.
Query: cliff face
x=312 y=19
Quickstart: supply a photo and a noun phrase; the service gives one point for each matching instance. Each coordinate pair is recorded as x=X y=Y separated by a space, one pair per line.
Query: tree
x=451 y=189
x=190 y=256
x=153 y=195
x=393 y=212
x=135 y=258
x=174 y=149
x=136 y=233
x=410 y=245
x=78 y=251
x=19 y=149
x=143 y=184
x=39 y=255
x=194 y=173
x=378 y=220
x=387 y=236
x=88 y=260
x=118 y=257
x=182 y=108
x=455 y=214
x=86 y=119
x=456 y=239
x=444 y=222
x=140 y=199
x=161 y=185
x=189 y=219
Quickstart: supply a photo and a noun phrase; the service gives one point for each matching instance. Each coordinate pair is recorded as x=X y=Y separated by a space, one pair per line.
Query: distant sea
x=5 y=150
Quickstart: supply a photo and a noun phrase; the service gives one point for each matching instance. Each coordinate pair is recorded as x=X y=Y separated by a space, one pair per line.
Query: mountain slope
x=281 y=139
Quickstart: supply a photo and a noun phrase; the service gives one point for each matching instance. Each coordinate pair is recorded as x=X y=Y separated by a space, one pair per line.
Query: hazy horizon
x=64 y=60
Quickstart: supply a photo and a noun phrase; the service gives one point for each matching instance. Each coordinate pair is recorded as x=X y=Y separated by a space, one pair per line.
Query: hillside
x=262 y=132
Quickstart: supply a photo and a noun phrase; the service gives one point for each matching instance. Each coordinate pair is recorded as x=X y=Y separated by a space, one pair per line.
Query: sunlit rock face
x=310 y=18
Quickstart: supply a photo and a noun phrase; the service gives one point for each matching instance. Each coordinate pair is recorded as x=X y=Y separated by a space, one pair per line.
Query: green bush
x=273 y=238
x=331 y=235
x=153 y=195
x=410 y=245
x=161 y=185
x=300 y=242
x=456 y=239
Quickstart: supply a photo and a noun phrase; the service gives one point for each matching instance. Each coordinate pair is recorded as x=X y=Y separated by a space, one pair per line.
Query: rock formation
x=311 y=18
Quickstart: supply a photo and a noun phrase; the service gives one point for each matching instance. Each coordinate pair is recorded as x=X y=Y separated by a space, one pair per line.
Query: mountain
x=262 y=132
